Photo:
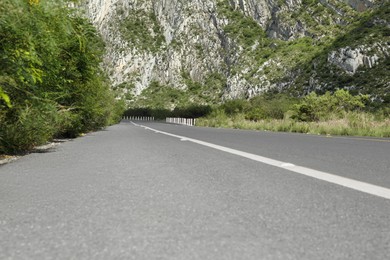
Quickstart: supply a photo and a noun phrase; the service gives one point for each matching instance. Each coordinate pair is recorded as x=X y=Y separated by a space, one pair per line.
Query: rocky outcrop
x=350 y=59
x=189 y=38
x=361 y=5
x=192 y=41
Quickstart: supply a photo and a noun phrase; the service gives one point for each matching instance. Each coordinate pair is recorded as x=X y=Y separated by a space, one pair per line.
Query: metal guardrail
x=181 y=121
x=169 y=120
x=138 y=118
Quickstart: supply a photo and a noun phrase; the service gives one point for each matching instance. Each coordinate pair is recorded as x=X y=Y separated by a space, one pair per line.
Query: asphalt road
x=132 y=193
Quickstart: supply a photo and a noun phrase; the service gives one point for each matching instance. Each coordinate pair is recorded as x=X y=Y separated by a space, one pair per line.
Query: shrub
x=316 y=108
x=269 y=106
x=51 y=83
x=235 y=106
x=192 y=111
x=143 y=30
x=27 y=126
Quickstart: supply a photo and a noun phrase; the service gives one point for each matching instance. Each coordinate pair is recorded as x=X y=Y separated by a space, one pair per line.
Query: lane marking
x=320 y=175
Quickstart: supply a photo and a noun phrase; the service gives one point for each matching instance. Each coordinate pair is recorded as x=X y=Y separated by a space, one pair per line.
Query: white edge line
x=335 y=179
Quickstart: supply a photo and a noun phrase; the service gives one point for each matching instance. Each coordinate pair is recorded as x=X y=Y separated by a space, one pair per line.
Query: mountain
x=165 y=53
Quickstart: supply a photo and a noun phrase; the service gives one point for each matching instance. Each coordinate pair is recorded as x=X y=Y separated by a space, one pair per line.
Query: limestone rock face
x=350 y=59
x=360 y=5
x=175 y=42
x=187 y=29
x=194 y=41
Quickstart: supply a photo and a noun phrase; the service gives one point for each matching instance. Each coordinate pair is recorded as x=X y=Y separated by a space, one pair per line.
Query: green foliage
x=258 y=48
x=28 y=125
x=246 y=32
x=206 y=92
x=217 y=118
x=339 y=113
x=366 y=29
x=50 y=74
x=161 y=96
x=353 y=123
x=5 y=98
x=252 y=55
x=315 y=108
x=317 y=28
x=371 y=27
x=299 y=60
x=236 y=106
x=241 y=27
x=330 y=114
x=142 y=30
x=268 y=106
x=191 y=111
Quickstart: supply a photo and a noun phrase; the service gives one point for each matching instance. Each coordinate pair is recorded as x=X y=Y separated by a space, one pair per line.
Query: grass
x=352 y=124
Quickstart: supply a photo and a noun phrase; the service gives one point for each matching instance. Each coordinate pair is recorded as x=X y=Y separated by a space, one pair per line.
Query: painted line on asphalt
x=332 y=178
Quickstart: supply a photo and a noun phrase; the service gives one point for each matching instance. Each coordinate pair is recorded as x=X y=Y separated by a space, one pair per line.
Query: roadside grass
x=351 y=124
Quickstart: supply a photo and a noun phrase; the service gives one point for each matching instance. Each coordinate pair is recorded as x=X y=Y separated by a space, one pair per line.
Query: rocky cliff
x=205 y=51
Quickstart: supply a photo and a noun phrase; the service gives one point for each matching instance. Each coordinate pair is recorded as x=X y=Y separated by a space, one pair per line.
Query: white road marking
x=346 y=182
x=285 y=165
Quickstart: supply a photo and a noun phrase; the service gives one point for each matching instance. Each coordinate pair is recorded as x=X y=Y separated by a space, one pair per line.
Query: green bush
x=142 y=30
x=27 y=126
x=51 y=83
x=191 y=111
x=269 y=105
x=217 y=118
x=315 y=108
x=235 y=106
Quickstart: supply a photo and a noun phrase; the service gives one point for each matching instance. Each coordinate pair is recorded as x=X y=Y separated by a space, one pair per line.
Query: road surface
x=169 y=192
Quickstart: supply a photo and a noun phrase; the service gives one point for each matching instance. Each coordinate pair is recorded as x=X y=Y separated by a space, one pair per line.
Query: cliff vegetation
x=265 y=60
x=208 y=52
